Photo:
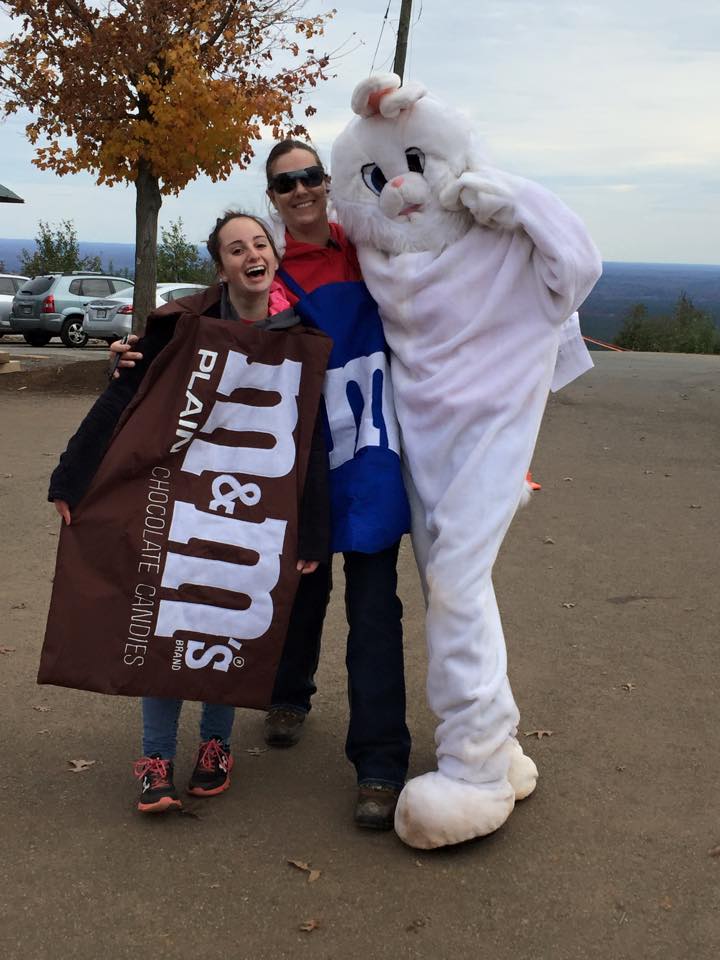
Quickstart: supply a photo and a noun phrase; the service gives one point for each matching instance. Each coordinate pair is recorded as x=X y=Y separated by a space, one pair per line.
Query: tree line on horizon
x=57 y=251
x=686 y=330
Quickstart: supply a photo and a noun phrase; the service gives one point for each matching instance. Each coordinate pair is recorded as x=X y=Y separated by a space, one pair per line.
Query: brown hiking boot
x=283 y=726
x=375 y=807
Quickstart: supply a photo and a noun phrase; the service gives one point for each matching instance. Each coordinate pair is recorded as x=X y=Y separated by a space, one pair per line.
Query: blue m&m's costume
x=370 y=510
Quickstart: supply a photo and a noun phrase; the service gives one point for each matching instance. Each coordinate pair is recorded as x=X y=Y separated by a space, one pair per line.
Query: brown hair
x=213 y=241
x=285 y=146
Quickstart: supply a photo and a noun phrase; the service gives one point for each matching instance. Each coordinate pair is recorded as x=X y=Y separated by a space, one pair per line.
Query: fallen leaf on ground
x=666 y=903
x=7 y=476
x=628 y=686
x=313 y=875
x=256 y=751
x=19 y=606
x=42 y=709
x=548 y=540
x=567 y=479
x=7 y=649
x=695 y=506
x=43 y=731
x=416 y=925
x=309 y=925
x=715 y=852
x=21 y=388
x=568 y=606
x=77 y=766
x=538 y=733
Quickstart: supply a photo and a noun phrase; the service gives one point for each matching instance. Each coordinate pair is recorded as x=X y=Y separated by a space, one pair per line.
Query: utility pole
x=402 y=38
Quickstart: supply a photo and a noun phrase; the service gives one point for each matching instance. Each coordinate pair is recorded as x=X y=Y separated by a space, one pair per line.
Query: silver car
x=52 y=305
x=10 y=283
x=112 y=318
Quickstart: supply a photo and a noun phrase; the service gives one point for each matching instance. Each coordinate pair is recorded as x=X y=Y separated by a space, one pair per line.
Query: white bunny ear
x=383 y=94
x=367 y=94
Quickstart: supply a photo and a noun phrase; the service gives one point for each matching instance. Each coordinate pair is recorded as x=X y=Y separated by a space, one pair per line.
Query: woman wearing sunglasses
x=370 y=513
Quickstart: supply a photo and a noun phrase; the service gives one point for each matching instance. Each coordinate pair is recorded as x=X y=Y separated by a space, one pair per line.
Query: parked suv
x=53 y=305
x=10 y=283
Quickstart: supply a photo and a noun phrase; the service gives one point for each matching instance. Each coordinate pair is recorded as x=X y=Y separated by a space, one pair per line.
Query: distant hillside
x=658 y=285
x=122 y=255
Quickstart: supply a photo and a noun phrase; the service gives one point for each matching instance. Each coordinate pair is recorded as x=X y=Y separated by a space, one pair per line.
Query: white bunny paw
x=435 y=811
x=487 y=194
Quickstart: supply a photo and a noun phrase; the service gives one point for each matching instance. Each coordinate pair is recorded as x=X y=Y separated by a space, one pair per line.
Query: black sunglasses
x=285 y=182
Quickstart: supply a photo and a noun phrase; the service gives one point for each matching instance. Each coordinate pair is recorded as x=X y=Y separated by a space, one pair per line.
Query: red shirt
x=312 y=266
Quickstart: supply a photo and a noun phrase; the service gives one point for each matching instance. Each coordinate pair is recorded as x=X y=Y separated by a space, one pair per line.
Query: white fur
x=523 y=774
x=435 y=810
x=475 y=272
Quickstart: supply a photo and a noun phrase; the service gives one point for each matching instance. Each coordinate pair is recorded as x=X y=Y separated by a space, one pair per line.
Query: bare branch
x=220 y=29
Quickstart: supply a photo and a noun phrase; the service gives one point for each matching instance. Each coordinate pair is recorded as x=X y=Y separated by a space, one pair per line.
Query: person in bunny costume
x=476 y=273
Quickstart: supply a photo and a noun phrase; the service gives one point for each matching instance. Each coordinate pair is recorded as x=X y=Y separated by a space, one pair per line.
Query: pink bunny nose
x=397 y=182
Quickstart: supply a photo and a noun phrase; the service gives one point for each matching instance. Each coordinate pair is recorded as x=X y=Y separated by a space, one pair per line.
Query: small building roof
x=7 y=196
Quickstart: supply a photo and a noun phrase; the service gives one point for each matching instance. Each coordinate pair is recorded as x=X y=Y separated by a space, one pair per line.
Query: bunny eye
x=415 y=159
x=374 y=178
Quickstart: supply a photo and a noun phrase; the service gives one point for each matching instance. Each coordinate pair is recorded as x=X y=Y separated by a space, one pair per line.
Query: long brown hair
x=213 y=241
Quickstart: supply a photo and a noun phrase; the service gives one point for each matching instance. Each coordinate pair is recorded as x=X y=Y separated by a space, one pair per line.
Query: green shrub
x=686 y=330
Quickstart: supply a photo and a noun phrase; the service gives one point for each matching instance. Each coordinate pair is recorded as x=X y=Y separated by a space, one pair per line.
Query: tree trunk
x=147 y=207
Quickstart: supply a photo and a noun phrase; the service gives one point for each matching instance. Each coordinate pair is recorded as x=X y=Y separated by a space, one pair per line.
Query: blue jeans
x=378 y=740
x=160 y=723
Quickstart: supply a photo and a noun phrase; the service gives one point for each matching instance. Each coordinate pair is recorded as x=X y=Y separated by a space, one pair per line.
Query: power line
x=382 y=29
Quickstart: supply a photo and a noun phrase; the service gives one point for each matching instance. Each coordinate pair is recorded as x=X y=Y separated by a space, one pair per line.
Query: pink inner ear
x=375 y=98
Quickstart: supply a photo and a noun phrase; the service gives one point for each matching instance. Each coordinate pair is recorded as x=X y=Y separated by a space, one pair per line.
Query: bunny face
x=390 y=173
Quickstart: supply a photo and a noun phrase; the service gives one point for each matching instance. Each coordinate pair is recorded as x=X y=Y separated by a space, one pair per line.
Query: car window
x=37 y=285
x=18 y=281
x=96 y=287
x=7 y=286
x=75 y=287
x=121 y=285
x=179 y=292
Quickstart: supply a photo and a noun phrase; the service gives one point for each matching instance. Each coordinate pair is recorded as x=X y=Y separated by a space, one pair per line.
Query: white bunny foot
x=435 y=811
x=523 y=773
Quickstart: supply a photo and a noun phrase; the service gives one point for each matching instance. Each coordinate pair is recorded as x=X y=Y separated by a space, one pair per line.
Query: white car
x=10 y=283
x=111 y=319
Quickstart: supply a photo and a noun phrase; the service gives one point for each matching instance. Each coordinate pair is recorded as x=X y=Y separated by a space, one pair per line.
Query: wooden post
x=402 y=38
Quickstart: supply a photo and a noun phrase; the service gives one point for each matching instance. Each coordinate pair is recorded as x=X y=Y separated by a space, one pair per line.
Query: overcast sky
x=613 y=104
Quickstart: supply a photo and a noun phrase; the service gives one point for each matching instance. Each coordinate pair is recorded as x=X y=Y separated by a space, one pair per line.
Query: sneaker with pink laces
x=212 y=769
x=158 y=790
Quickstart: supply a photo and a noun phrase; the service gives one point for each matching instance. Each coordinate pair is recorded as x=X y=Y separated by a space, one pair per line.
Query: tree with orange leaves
x=156 y=92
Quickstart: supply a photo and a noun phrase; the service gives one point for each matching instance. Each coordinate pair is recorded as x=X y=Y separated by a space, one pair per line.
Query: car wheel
x=37 y=338
x=72 y=333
